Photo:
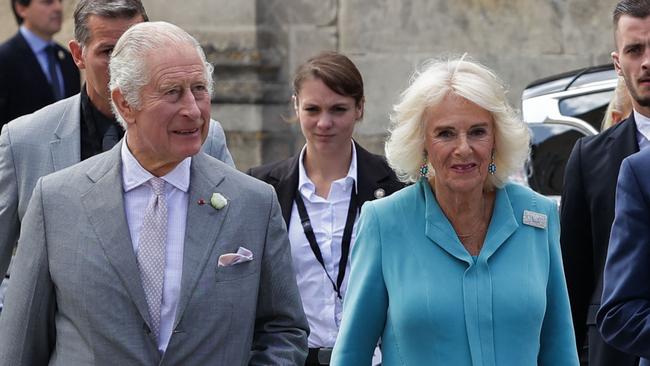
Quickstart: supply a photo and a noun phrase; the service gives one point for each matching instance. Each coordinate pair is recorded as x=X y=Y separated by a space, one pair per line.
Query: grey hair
x=112 y=9
x=128 y=66
x=473 y=82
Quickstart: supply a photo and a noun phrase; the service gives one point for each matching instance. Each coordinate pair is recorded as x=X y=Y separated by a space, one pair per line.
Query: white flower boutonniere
x=218 y=201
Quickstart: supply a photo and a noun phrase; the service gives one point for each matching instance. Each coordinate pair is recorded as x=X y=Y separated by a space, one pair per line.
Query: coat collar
x=622 y=140
x=202 y=235
x=108 y=218
x=66 y=145
x=371 y=171
x=440 y=231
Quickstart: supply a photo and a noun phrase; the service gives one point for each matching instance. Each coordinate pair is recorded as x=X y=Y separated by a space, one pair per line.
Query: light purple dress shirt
x=137 y=192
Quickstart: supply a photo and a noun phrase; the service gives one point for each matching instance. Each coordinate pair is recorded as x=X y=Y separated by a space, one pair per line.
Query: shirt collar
x=95 y=120
x=36 y=43
x=134 y=175
x=305 y=184
x=642 y=124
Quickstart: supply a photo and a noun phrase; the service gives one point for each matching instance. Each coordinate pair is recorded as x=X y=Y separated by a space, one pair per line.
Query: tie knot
x=158 y=185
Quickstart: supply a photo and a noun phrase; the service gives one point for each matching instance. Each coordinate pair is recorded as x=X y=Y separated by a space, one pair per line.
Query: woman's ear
x=360 y=107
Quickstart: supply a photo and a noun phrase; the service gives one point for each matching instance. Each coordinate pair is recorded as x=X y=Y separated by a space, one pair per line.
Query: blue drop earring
x=492 y=168
x=424 y=167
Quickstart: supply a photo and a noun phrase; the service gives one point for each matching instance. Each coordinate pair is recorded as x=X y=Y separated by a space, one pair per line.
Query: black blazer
x=23 y=84
x=587 y=214
x=373 y=173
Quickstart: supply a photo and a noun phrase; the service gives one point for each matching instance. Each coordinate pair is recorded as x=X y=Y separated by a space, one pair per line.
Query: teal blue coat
x=414 y=285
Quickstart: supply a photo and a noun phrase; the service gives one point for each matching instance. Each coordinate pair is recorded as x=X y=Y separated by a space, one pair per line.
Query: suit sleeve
x=4 y=93
x=9 y=223
x=281 y=329
x=576 y=243
x=217 y=146
x=366 y=301
x=624 y=317
x=26 y=325
x=557 y=343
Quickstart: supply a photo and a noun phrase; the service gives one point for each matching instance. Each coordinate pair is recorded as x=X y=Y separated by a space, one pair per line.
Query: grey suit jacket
x=76 y=297
x=43 y=142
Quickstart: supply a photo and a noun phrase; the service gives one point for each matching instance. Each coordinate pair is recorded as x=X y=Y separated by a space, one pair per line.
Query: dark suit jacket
x=372 y=174
x=23 y=85
x=624 y=317
x=587 y=213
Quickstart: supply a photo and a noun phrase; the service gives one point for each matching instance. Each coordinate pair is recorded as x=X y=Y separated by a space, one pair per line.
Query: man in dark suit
x=34 y=70
x=590 y=186
x=624 y=317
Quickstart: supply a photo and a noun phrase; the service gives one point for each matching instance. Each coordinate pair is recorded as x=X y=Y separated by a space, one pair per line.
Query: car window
x=551 y=145
x=588 y=107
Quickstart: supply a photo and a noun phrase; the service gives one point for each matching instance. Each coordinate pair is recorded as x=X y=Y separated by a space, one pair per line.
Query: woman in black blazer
x=322 y=189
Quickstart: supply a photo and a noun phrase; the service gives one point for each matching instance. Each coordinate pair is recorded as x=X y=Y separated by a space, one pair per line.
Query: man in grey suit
x=73 y=129
x=175 y=258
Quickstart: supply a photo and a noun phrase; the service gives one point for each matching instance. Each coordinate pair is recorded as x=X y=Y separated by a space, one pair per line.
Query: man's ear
x=617 y=65
x=20 y=8
x=123 y=107
x=76 y=50
x=617 y=117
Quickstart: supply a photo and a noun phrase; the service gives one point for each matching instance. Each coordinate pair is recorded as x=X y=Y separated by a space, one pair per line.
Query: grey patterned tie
x=151 y=251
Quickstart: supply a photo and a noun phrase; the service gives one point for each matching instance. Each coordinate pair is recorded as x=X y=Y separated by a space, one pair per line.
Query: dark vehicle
x=559 y=110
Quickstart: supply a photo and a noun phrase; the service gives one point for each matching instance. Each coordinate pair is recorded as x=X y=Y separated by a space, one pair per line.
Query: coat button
x=379 y=193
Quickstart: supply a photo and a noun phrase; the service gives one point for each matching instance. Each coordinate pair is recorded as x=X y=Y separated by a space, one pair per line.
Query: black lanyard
x=345 y=242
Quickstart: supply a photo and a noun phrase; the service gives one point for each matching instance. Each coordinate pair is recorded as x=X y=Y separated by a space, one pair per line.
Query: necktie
x=151 y=250
x=55 y=83
x=111 y=137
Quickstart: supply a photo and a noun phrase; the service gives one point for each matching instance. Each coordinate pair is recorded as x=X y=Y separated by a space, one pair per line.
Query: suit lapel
x=66 y=145
x=203 y=226
x=286 y=186
x=370 y=172
x=108 y=219
x=623 y=142
x=30 y=62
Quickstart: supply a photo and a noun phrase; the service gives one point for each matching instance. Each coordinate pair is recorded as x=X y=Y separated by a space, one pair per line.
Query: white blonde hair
x=128 y=63
x=467 y=79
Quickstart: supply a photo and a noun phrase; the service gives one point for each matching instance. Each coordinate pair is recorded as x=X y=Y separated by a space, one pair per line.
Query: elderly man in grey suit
x=154 y=253
x=76 y=128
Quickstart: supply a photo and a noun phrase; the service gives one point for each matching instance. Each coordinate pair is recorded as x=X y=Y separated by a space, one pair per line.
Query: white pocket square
x=229 y=259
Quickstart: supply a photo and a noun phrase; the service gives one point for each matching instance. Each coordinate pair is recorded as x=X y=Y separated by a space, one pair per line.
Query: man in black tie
x=34 y=70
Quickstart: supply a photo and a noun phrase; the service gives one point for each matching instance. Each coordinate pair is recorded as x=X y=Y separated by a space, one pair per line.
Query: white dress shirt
x=643 y=129
x=328 y=217
x=137 y=193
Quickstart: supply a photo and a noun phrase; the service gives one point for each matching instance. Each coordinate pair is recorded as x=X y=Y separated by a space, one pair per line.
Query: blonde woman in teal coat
x=462 y=267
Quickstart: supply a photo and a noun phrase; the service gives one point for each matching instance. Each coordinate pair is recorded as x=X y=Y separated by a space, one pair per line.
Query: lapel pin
x=380 y=193
x=60 y=55
x=535 y=219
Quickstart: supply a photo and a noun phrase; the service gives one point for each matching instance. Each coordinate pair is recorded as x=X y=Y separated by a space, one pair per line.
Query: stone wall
x=256 y=44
